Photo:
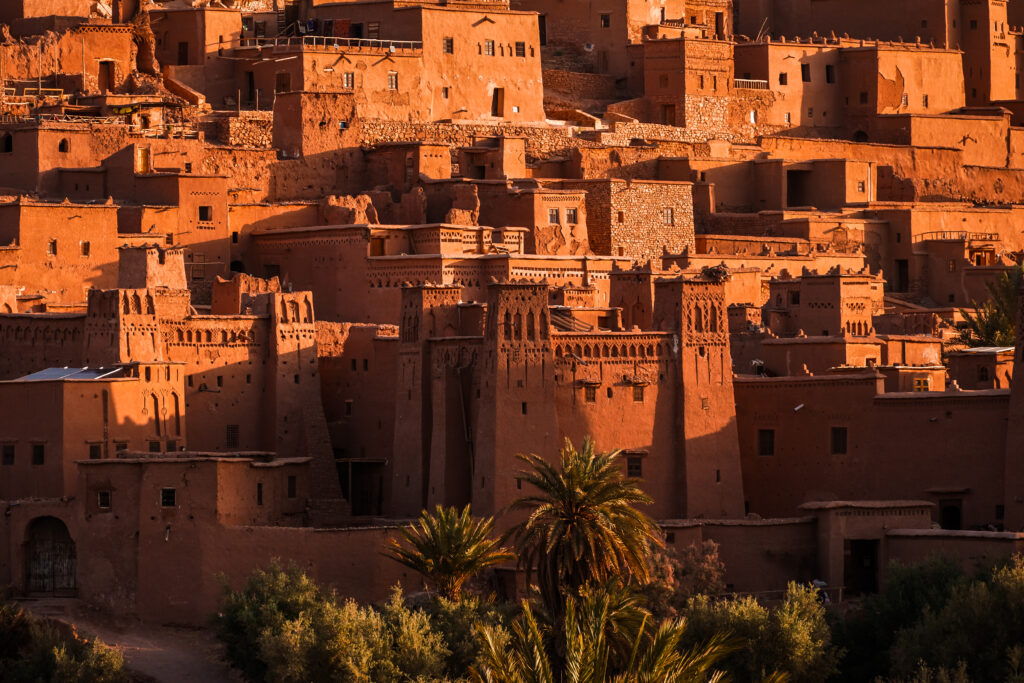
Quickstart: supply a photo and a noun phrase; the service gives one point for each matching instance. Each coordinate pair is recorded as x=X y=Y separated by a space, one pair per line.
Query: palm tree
x=583 y=526
x=448 y=547
x=994 y=323
x=652 y=655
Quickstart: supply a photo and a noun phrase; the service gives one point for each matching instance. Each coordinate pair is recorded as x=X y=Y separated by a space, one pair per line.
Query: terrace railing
x=330 y=42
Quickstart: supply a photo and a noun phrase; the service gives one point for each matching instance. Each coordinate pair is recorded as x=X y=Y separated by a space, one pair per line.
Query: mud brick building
x=276 y=276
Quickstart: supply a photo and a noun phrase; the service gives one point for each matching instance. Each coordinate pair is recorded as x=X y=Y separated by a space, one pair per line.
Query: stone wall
x=250 y=129
x=574 y=90
x=638 y=219
x=542 y=142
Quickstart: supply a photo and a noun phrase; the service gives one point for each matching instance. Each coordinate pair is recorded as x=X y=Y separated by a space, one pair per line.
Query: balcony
x=749 y=84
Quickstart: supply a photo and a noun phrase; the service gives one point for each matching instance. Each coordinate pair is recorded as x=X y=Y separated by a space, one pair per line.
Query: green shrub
x=31 y=650
x=282 y=627
x=792 y=639
x=981 y=625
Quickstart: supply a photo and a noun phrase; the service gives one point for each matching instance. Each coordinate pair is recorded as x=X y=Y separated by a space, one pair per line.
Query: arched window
x=698 y=319
x=517 y=327
x=508 y=325
x=177 y=416
x=156 y=414
x=64 y=146
x=531 y=331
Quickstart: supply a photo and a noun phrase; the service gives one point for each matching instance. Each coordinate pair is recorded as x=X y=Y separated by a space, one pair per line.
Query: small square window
x=103 y=500
x=51 y=247
x=120 y=446
x=205 y=214
x=830 y=73
x=444 y=92
x=524 y=407
x=373 y=30
x=838 y=438
x=606 y=20
x=554 y=217
x=449 y=46
x=590 y=394
x=863 y=97
x=154 y=446
x=805 y=73
x=783 y=78
x=766 y=442
x=85 y=248
x=924 y=101
x=168 y=498
x=489 y=48
x=638 y=394
x=392 y=80
x=348 y=80
x=95 y=451
x=520 y=49
x=860 y=186
x=8 y=454
x=922 y=384
x=171 y=446
x=38 y=454
x=571 y=216
x=292 y=487
x=789 y=117
x=905 y=99
x=668 y=216
x=634 y=466
x=810 y=112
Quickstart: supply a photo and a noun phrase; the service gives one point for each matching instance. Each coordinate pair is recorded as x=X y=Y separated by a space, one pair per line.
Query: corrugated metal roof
x=53 y=374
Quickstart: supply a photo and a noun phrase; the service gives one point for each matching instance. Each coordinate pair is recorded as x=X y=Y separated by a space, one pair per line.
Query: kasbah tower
x=278 y=275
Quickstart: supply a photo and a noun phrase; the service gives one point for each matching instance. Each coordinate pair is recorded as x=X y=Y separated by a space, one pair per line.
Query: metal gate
x=50 y=560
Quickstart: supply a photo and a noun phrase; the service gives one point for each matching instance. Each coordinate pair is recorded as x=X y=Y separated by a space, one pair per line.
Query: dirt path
x=163 y=654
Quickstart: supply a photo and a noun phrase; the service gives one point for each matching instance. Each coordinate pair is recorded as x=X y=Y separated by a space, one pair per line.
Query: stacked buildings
x=275 y=275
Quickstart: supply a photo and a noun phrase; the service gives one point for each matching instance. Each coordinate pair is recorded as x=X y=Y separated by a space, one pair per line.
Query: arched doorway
x=50 y=560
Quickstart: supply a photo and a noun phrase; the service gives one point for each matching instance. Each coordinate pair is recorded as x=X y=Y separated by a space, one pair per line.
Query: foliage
x=31 y=650
x=456 y=621
x=868 y=636
x=792 y=639
x=981 y=625
x=677 y=576
x=994 y=322
x=448 y=547
x=593 y=634
x=282 y=627
x=583 y=526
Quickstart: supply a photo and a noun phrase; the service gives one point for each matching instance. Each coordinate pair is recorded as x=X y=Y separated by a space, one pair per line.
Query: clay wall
x=52 y=424
x=903 y=446
x=981 y=370
x=62 y=249
x=934 y=21
x=58 y=58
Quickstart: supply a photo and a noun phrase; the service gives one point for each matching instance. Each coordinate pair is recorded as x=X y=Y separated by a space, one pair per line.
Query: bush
x=457 y=622
x=677 y=576
x=981 y=626
x=34 y=651
x=282 y=627
x=791 y=639
x=868 y=636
